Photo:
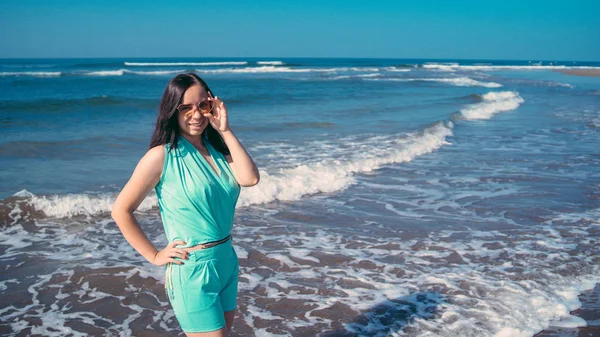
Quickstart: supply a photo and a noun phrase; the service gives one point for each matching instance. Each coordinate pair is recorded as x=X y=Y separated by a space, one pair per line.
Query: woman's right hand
x=167 y=255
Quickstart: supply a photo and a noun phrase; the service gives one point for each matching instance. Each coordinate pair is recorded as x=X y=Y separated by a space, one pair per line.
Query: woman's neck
x=197 y=141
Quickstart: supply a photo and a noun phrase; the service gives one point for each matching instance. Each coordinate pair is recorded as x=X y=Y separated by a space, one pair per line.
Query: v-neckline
x=215 y=171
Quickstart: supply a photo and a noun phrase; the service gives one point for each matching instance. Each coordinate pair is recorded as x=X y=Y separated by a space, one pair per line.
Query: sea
x=398 y=197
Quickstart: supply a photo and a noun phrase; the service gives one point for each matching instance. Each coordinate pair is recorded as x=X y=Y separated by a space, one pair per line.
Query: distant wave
x=456 y=66
x=270 y=63
x=356 y=76
x=157 y=72
x=176 y=64
x=463 y=82
x=122 y=72
x=264 y=69
x=493 y=102
x=32 y=73
x=457 y=81
x=398 y=70
x=106 y=73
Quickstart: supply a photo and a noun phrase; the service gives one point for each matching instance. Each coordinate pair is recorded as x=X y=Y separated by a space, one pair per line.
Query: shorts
x=204 y=287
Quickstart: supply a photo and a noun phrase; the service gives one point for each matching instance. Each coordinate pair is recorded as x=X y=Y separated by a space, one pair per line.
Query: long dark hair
x=167 y=126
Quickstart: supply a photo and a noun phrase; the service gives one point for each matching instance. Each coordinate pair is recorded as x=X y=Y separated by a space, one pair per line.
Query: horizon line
x=287 y=57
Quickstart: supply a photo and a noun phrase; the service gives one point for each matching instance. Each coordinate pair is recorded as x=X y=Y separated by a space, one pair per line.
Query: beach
x=398 y=197
x=580 y=72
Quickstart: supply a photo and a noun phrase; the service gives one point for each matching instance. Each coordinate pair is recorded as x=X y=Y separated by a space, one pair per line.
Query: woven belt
x=168 y=278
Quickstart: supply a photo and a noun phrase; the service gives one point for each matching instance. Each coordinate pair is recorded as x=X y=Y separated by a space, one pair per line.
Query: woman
x=196 y=165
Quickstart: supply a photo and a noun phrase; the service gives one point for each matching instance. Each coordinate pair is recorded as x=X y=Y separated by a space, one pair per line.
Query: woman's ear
x=210 y=94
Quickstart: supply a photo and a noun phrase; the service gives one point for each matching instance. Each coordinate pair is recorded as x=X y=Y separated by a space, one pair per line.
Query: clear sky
x=493 y=29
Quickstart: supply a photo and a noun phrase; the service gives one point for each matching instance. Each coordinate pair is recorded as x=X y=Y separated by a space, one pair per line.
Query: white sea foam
x=464 y=82
x=122 y=72
x=457 y=81
x=475 y=290
x=157 y=72
x=369 y=75
x=341 y=77
x=397 y=70
x=270 y=63
x=264 y=69
x=170 y=64
x=334 y=175
x=521 y=297
x=493 y=102
x=119 y=72
x=32 y=73
x=69 y=205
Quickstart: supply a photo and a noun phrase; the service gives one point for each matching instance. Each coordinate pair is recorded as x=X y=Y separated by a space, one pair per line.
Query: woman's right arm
x=144 y=178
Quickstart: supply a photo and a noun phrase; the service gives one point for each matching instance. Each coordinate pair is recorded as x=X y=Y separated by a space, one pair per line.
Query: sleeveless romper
x=197 y=206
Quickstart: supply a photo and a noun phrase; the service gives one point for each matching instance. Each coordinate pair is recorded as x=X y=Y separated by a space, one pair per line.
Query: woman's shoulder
x=153 y=159
x=156 y=153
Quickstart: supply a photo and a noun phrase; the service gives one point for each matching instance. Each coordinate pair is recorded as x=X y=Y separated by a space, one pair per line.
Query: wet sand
x=580 y=72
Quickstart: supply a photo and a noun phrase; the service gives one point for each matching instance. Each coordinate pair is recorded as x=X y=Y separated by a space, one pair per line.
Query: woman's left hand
x=218 y=117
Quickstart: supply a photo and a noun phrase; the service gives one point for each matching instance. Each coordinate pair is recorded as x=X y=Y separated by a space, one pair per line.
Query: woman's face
x=194 y=123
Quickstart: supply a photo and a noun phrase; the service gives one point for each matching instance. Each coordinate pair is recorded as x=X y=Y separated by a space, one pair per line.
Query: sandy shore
x=581 y=72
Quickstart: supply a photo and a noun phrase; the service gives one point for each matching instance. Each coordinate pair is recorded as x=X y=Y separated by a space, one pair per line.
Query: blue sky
x=509 y=29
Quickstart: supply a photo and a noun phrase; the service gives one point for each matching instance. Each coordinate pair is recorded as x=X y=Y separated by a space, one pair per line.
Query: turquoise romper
x=197 y=206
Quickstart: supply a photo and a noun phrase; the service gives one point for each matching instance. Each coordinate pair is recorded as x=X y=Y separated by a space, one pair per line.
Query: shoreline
x=580 y=72
x=589 y=311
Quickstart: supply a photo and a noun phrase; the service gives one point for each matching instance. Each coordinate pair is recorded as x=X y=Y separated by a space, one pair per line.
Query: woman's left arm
x=243 y=167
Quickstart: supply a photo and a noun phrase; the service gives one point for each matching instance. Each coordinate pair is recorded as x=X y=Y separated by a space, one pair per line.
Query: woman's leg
x=229 y=316
x=223 y=332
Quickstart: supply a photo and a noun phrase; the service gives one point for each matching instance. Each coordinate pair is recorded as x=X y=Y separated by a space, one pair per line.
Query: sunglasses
x=187 y=109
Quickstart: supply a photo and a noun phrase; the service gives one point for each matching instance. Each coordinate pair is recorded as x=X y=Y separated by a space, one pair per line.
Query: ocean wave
x=119 y=72
x=290 y=184
x=284 y=184
x=264 y=69
x=493 y=103
x=462 y=82
x=270 y=63
x=177 y=64
x=341 y=77
x=122 y=72
x=67 y=205
x=456 y=66
x=457 y=81
x=32 y=73
x=157 y=72
x=397 y=70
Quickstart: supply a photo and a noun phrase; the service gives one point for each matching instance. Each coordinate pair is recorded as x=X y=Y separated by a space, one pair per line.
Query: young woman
x=196 y=165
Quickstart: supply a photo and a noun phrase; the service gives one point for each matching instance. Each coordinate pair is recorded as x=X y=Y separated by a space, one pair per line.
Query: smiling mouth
x=196 y=124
